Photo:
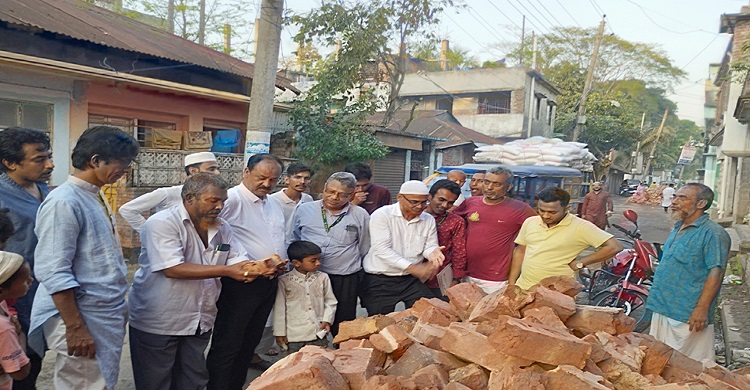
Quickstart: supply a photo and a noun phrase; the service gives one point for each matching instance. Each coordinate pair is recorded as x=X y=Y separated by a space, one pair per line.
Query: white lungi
x=71 y=372
x=696 y=345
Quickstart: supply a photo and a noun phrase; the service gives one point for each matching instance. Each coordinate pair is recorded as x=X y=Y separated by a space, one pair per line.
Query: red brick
x=655 y=379
x=428 y=335
x=434 y=316
x=593 y=368
x=362 y=327
x=463 y=298
x=436 y=303
x=301 y=373
x=724 y=375
x=456 y=386
x=680 y=386
x=563 y=284
x=419 y=356
x=516 y=378
x=630 y=354
x=382 y=382
x=355 y=343
x=571 y=378
x=592 y=319
x=358 y=365
x=716 y=384
x=742 y=371
x=392 y=340
x=431 y=377
x=562 y=304
x=622 y=376
x=407 y=323
x=681 y=368
x=597 y=350
x=547 y=317
x=535 y=343
x=472 y=376
x=657 y=353
x=399 y=315
x=467 y=344
x=315 y=350
x=508 y=301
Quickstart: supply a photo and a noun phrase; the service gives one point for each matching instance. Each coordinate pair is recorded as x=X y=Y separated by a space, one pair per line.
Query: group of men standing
x=211 y=254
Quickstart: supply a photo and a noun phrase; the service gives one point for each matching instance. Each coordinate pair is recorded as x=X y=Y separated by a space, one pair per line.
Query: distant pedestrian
x=492 y=224
x=368 y=195
x=166 y=197
x=666 y=197
x=80 y=308
x=404 y=252
x=688 y=280
x=305 y=305
x=597 y=206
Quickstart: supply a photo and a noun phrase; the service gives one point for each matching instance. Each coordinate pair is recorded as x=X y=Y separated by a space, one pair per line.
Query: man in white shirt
x=297 y=180
x=667 y=196
x=402 y=237
x=186 y=249
x=258 y=226
x=166 y=197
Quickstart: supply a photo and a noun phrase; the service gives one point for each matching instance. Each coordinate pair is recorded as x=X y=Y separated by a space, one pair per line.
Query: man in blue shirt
x=687 y=282
x=26 y=166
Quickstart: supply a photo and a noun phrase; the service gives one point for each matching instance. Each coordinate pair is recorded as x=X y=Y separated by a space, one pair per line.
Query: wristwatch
x=579 y=264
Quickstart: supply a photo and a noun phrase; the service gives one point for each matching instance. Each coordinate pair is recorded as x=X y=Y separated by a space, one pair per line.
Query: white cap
x=9 y=264
x=197 y=158
x=414 y=187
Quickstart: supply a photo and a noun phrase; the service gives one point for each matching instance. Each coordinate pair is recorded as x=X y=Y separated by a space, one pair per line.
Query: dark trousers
x=243 y=311
x=346 y=288
x=168 y=362
x=29 y=383
x=381 y=293
x=438 y=293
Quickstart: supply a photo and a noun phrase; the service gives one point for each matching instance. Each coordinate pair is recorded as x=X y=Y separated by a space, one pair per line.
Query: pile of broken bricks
x=511 y=339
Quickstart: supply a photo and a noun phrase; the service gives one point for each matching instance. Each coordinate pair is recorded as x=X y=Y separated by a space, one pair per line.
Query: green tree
x=428 y=51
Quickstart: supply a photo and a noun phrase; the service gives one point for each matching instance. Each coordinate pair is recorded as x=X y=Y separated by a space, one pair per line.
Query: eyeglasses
x=417 y=203
x=338 y=195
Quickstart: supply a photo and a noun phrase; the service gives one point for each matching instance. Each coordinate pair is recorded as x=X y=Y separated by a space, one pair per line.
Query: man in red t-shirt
x=451 y=231
x=493 y=221
x=368 y=195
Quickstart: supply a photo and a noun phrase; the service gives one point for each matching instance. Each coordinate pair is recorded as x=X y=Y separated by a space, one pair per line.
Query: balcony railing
x=162 y=167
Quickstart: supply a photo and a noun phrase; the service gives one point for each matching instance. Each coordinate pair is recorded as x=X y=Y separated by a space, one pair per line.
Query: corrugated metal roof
x=433 y=123
x=87 y=22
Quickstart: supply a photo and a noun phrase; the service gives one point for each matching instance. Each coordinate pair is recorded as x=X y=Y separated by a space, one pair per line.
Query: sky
x=688 y=30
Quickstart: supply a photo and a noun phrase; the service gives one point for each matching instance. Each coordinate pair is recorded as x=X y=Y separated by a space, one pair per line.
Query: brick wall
x=517 y=101
x=458 y=155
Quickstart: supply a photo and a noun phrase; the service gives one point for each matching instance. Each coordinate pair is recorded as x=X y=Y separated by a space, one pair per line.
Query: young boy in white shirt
x=305 y=305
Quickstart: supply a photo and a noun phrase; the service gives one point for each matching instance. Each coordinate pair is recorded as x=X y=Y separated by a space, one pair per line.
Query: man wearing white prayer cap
x=166 y=197
x=404 y=252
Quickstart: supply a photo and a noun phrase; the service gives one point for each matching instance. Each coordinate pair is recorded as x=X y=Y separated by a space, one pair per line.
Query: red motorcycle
x=633 y=270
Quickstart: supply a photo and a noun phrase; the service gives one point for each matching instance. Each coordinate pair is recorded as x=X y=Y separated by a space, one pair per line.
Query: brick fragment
x=657 y=353
x=424 y=303
x=630 y=354
x=716 y=384
x=407 y=323
x=358 y=365
x=435 y=316
x=456 y=386
x=547 y=317
x=301 y=373
x=593 y=368
x=716 y=371
x=592 y=319
x=472 y=376
x=622 y=376
x=463 y=298
x=468 y=344
x=535 y=343
x=567 y=377
x=508 y=301
x=382 y=382
x=419 y=356
x=316 y=350
x=355 y=343
x=562 y=304
x=399 y=315
x=563 y=284
x=597 y=350
x=681 y=368
x=392 y=340
x=428 y=335
x=362 y=327
x=655 y=379
x=431 y=377
x=516 y=378
x=680 y=386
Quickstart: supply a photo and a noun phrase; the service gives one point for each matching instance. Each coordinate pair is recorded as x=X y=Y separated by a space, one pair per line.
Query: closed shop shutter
x=389 y=172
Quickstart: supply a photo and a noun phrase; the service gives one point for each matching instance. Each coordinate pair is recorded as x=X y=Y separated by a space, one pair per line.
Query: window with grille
x=495 y=103
x=26 y=114
x=445 y=104
x=142 y=130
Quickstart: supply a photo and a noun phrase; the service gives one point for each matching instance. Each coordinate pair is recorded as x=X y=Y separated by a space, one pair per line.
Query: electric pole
x=523 y=37
x=260 y=110
x=581 y=116
x=656 y=141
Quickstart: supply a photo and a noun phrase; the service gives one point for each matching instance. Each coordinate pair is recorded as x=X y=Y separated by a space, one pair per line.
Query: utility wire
x=503 y=13
x=643 y=9
x=486 y=24
x=700 y=52
x=566 y=11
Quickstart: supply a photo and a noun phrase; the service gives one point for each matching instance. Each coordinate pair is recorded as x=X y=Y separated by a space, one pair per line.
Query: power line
x=530 y=15
x=643 y=9
x=465 y=32
x=486 y=24
x=700 y=52
x=503 y=13
x=566 y=11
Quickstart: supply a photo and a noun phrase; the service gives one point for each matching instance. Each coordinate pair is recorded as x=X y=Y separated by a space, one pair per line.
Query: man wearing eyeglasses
x=341 y=230
x=402 y=237
x=493 y=221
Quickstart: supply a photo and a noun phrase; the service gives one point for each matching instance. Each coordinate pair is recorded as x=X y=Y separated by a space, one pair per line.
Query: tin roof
x=433 y=123
x=86 y=22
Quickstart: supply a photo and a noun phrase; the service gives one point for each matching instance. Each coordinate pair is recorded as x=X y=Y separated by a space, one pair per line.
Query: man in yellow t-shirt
x=549 y=244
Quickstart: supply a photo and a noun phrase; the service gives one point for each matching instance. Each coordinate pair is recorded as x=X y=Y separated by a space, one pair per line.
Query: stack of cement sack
x=514 y=339
x=552 y=152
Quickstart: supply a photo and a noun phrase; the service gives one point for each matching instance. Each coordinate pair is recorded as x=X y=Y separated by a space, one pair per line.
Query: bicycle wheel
x=631 y=301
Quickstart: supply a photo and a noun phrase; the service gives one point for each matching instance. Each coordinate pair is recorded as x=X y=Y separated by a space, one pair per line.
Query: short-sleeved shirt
x=688 y=256
x=377 y=197
x=549 y=250
x=157 y=200
x=288 y=205
x=177 y=307
x=12 y=356
x=490 y=232
x=451 y=231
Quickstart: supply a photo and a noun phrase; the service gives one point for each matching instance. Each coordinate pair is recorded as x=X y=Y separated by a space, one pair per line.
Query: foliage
x=740 y=67
x=364 y=72
x=429 y=53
